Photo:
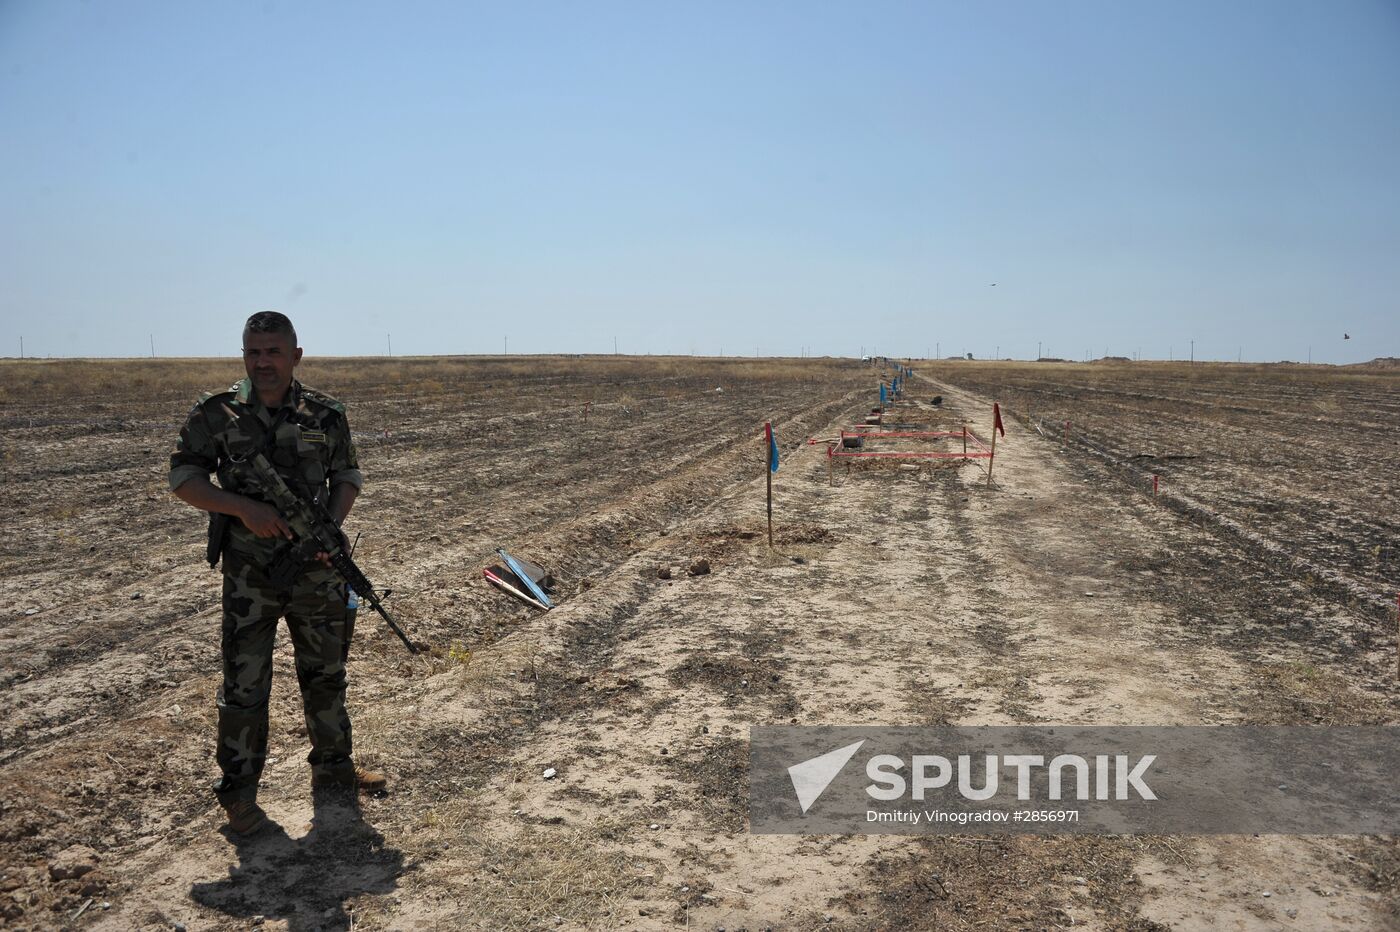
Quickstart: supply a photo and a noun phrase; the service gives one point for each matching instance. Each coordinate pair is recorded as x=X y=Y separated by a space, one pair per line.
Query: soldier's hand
x=264 y=521
x=325 y=558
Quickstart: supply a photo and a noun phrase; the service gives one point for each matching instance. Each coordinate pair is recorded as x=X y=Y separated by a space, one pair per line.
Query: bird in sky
x=1346 y=336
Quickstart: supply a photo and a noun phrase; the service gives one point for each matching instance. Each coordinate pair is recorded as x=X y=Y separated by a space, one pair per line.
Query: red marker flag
x=996 y=419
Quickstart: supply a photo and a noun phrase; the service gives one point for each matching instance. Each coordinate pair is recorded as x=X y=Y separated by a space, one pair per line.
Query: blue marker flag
x=772 y=447
x=882 y=393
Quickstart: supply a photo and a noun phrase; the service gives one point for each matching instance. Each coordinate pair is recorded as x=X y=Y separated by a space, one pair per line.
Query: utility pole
x=389 y=338
x=1037 y=350
x=1193 y=352
x=21 y=346
x=1310 y=355
x=615 y=347
x=506 y=346
x=997 y=354
x=937 y=349
x=153 y=346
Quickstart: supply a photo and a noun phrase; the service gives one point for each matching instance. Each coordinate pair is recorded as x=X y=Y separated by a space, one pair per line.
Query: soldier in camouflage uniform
x=307 y=439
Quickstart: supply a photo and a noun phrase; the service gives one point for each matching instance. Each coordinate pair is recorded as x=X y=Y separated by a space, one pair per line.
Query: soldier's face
x=269 y=359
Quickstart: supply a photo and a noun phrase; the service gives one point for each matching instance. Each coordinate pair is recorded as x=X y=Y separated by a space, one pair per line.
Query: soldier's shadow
x=306 y=881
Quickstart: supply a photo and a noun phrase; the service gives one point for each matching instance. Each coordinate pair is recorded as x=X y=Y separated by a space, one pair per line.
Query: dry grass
x=604 y=376
x=530 y=877
x=488 y=868
x=1114 y=372
x=1295 y=693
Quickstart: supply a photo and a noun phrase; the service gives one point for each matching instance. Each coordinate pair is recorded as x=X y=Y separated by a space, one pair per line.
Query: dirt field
x=1256 y=590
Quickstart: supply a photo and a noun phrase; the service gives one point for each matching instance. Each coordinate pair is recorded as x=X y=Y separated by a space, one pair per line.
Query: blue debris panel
x=521 y=579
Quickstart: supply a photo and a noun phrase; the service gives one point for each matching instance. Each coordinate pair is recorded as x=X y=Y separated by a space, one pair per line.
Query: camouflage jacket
x=307 y=441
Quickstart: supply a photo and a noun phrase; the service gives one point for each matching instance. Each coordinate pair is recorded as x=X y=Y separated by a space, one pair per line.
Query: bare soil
x=1253 y=591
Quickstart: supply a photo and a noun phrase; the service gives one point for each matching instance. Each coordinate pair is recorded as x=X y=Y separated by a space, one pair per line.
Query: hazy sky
x=707 y=176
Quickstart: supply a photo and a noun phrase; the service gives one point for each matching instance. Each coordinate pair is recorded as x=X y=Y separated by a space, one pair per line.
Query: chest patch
x=313 y=436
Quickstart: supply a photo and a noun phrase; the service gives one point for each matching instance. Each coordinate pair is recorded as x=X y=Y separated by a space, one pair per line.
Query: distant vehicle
x=865 y=359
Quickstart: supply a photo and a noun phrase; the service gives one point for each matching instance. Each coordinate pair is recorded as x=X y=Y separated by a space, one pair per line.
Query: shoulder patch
x=321 y=398
x=205 y=397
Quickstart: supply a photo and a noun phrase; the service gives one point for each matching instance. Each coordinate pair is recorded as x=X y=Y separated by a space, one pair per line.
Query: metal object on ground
x=533 y=577
x=497 y=577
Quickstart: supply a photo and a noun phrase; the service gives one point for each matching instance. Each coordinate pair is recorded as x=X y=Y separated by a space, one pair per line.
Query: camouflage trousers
x=321 y=627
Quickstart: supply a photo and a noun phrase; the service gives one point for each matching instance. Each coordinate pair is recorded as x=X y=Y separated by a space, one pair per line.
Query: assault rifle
x=315 y=530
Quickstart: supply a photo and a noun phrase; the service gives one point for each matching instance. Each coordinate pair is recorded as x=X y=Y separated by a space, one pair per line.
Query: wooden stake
x=991 y=459
x=964 y=440
x=830 y=465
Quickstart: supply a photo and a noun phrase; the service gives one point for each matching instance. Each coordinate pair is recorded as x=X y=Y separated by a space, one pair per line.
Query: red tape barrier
x=971 y=435
x=901 y=433
x=966 y=434
x=831 y=451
